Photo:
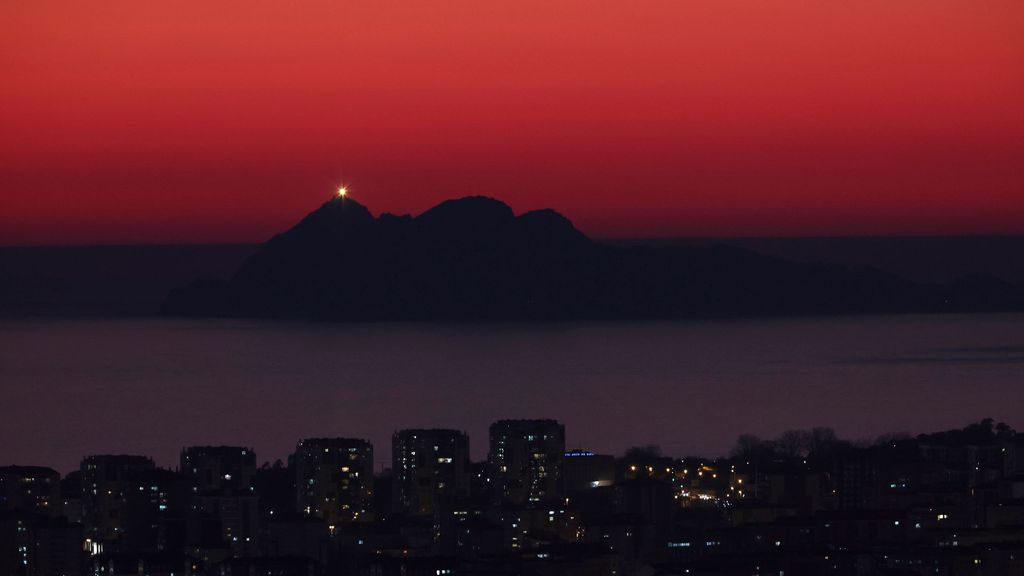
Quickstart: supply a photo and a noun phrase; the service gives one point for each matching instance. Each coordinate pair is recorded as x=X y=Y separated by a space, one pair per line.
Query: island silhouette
x=474 y=259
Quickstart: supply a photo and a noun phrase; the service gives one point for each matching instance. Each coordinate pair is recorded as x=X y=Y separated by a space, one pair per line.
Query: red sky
x=190 y=121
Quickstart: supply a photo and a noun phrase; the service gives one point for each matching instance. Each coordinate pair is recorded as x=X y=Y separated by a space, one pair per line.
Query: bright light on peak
x=342 y=191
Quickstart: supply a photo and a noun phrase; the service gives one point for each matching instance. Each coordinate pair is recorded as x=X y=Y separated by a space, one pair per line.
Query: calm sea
x=76 y=387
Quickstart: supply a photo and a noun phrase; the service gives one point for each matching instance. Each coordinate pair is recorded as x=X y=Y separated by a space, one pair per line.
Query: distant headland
x=473 y=259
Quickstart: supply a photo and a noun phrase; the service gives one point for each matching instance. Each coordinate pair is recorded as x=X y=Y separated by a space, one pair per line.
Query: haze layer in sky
x=193 y=121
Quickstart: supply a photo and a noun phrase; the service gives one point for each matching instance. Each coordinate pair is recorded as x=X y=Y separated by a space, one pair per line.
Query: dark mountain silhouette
x=474 y=259
x=58 y=281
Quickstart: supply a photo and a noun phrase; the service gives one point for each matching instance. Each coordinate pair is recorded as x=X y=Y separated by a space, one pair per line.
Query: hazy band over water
x=153 y=386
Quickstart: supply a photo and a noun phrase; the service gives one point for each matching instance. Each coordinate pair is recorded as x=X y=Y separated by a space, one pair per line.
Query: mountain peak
x=466 y=210
x=343 y=205
x=332 y=213
x=472 y=216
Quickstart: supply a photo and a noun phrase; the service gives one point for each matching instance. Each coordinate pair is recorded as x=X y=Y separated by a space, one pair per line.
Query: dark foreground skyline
x=806 y=502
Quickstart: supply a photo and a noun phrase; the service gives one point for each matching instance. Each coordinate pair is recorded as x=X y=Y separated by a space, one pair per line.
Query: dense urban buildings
x=583 y=470
x=221 y=481
x=526 y=460
x=106 y=487
x=335 y=479
x=807 y=502
x=219 y=468
x=430 y=470
x=30 y=488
